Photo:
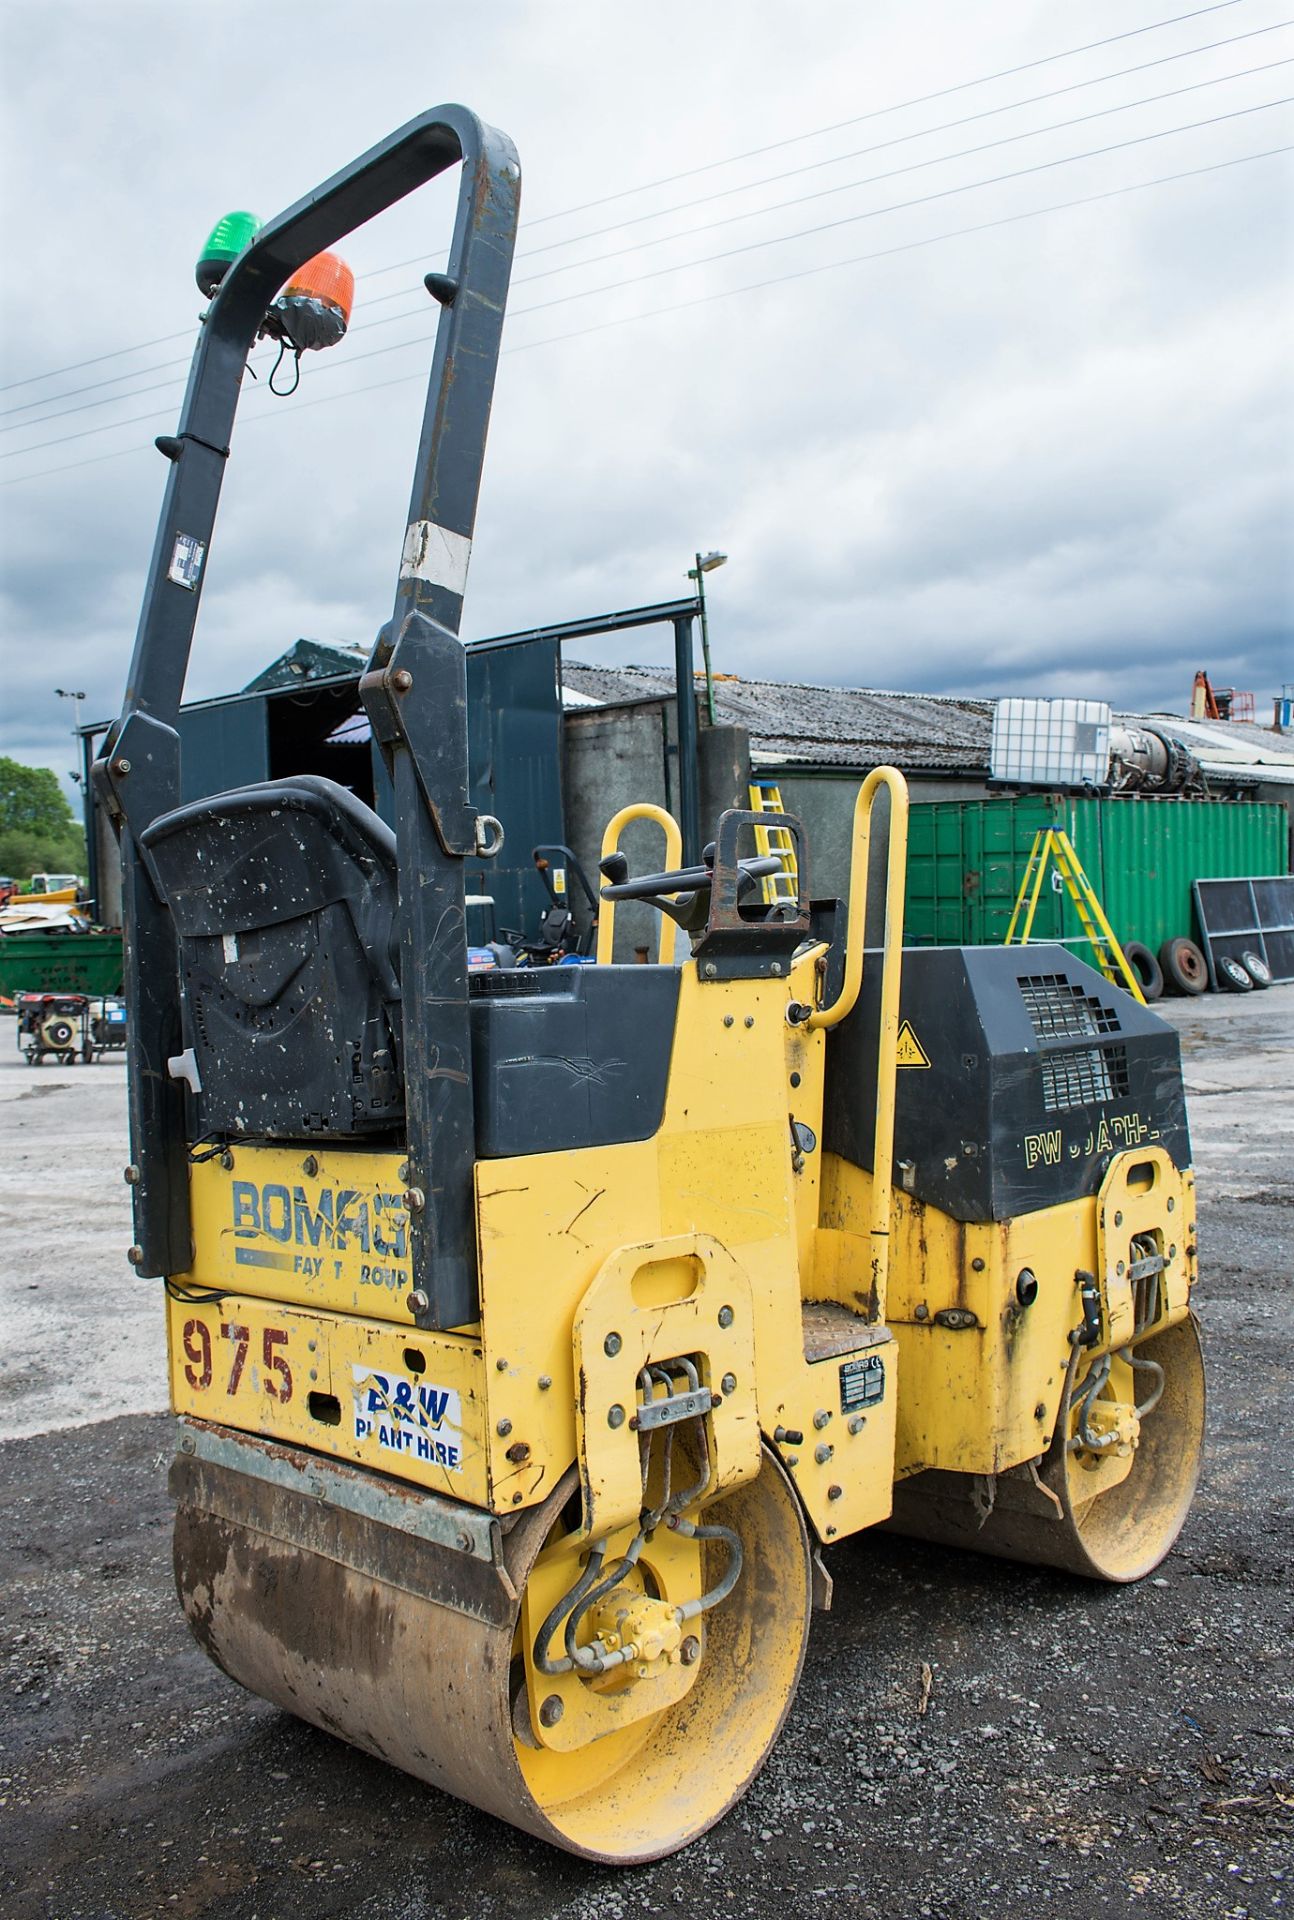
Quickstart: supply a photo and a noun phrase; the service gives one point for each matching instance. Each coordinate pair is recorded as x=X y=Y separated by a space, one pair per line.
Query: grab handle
x=896 y=865
x=640 y=810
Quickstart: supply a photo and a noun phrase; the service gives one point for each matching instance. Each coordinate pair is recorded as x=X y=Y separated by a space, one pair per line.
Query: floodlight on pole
x=66 y=693
x=706 y=563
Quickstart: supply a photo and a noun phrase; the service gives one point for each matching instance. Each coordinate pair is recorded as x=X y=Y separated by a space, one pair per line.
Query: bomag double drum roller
x=531 y=1339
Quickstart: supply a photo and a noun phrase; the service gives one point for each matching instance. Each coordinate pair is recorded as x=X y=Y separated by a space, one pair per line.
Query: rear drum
x=1068 y=1509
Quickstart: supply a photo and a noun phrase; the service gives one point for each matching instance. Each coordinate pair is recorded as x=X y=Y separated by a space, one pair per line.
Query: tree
x=38 y=833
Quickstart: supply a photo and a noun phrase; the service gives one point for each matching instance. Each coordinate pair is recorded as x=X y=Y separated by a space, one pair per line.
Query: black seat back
x=283 y=896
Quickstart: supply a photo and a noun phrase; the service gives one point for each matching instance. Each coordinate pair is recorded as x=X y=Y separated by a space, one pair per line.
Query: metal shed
x=303 y=715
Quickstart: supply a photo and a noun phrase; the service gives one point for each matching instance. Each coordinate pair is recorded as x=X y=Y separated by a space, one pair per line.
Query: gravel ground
x=970 y=1739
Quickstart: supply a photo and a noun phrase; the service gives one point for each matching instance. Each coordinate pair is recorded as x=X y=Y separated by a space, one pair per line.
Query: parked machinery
x=531 y=1337
x=558 y=940
x=54 y=1026
x=68 y=1026
x=1148 y=759
x=108 y=1024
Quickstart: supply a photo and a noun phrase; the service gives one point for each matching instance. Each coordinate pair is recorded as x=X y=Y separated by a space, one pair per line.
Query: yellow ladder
x=766 y=797
x=1053 y=843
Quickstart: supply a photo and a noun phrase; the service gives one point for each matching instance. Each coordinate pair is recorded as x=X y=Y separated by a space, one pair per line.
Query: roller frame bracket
x=715 y=1322
x=417 y=686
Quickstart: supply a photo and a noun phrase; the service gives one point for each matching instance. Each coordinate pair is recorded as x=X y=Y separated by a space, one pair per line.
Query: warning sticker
x=911 y=1053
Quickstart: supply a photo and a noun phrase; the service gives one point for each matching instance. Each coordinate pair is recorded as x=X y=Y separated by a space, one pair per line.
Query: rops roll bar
x=414 y=689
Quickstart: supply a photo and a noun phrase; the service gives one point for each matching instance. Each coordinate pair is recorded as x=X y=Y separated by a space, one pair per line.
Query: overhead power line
x=900 y=206
x=112 y=400
x=898 y=106
x=710 y=166
x=710 y=226
x=724 y=293
x=732 y=293
x=754 y=246
x=918 y=133
x=97 y=386
x=911 y=166
x=722 y=193
x=97 y=359
x=839 y=126
x=883 y=253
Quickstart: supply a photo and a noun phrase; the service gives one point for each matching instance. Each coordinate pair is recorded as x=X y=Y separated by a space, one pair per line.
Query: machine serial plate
x=862 y=1383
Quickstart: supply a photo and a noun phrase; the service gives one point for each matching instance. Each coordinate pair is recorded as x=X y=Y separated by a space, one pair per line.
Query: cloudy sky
x=966 y=338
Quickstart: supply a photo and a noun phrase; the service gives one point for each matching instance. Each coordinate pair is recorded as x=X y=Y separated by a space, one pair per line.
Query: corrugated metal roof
x=309 y=660
x=797 y=724
x=355 y=732
x=802 y=724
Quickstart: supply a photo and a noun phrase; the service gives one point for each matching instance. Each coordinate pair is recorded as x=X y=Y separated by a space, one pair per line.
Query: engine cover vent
x=1060 y=1010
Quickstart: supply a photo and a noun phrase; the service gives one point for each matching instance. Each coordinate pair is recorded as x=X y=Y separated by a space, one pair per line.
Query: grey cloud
x=1051 y=458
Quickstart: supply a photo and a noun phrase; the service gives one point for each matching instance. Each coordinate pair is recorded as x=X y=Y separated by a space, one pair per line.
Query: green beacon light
x=224 y=244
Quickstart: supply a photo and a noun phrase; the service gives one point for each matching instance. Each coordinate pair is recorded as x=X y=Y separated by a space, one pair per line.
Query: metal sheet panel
x=514 y=713
x=1152 y=851
x=222 y=746
x=514 y=725
x=965 y=859
x=1244 y=918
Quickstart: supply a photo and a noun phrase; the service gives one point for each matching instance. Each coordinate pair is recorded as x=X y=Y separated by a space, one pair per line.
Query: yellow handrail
x=895 y=879
x=640 y=810
x=896 y=870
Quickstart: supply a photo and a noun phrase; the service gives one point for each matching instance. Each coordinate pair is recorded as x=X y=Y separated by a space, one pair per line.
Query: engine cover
x=1022 y=1072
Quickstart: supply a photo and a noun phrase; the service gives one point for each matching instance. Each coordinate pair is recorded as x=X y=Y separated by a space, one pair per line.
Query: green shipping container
x=966 y=859
x=57 y=962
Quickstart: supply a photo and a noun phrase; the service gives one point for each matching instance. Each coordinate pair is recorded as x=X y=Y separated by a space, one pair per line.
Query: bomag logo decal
x=335 y=1220
x=409 y=1416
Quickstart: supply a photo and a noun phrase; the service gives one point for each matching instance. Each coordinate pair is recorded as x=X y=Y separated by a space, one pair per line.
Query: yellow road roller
x=533 y=1332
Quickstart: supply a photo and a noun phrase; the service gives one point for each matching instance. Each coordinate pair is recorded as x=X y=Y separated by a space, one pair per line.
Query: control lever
x=691 y=885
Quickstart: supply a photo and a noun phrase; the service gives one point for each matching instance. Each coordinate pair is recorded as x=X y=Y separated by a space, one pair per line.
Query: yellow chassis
x=706 y=1240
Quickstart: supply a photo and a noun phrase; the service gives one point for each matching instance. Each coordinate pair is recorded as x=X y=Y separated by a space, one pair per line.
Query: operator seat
x=283 y=896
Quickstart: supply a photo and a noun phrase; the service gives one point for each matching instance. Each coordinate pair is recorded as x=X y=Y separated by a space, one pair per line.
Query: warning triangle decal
x=911 y=1053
